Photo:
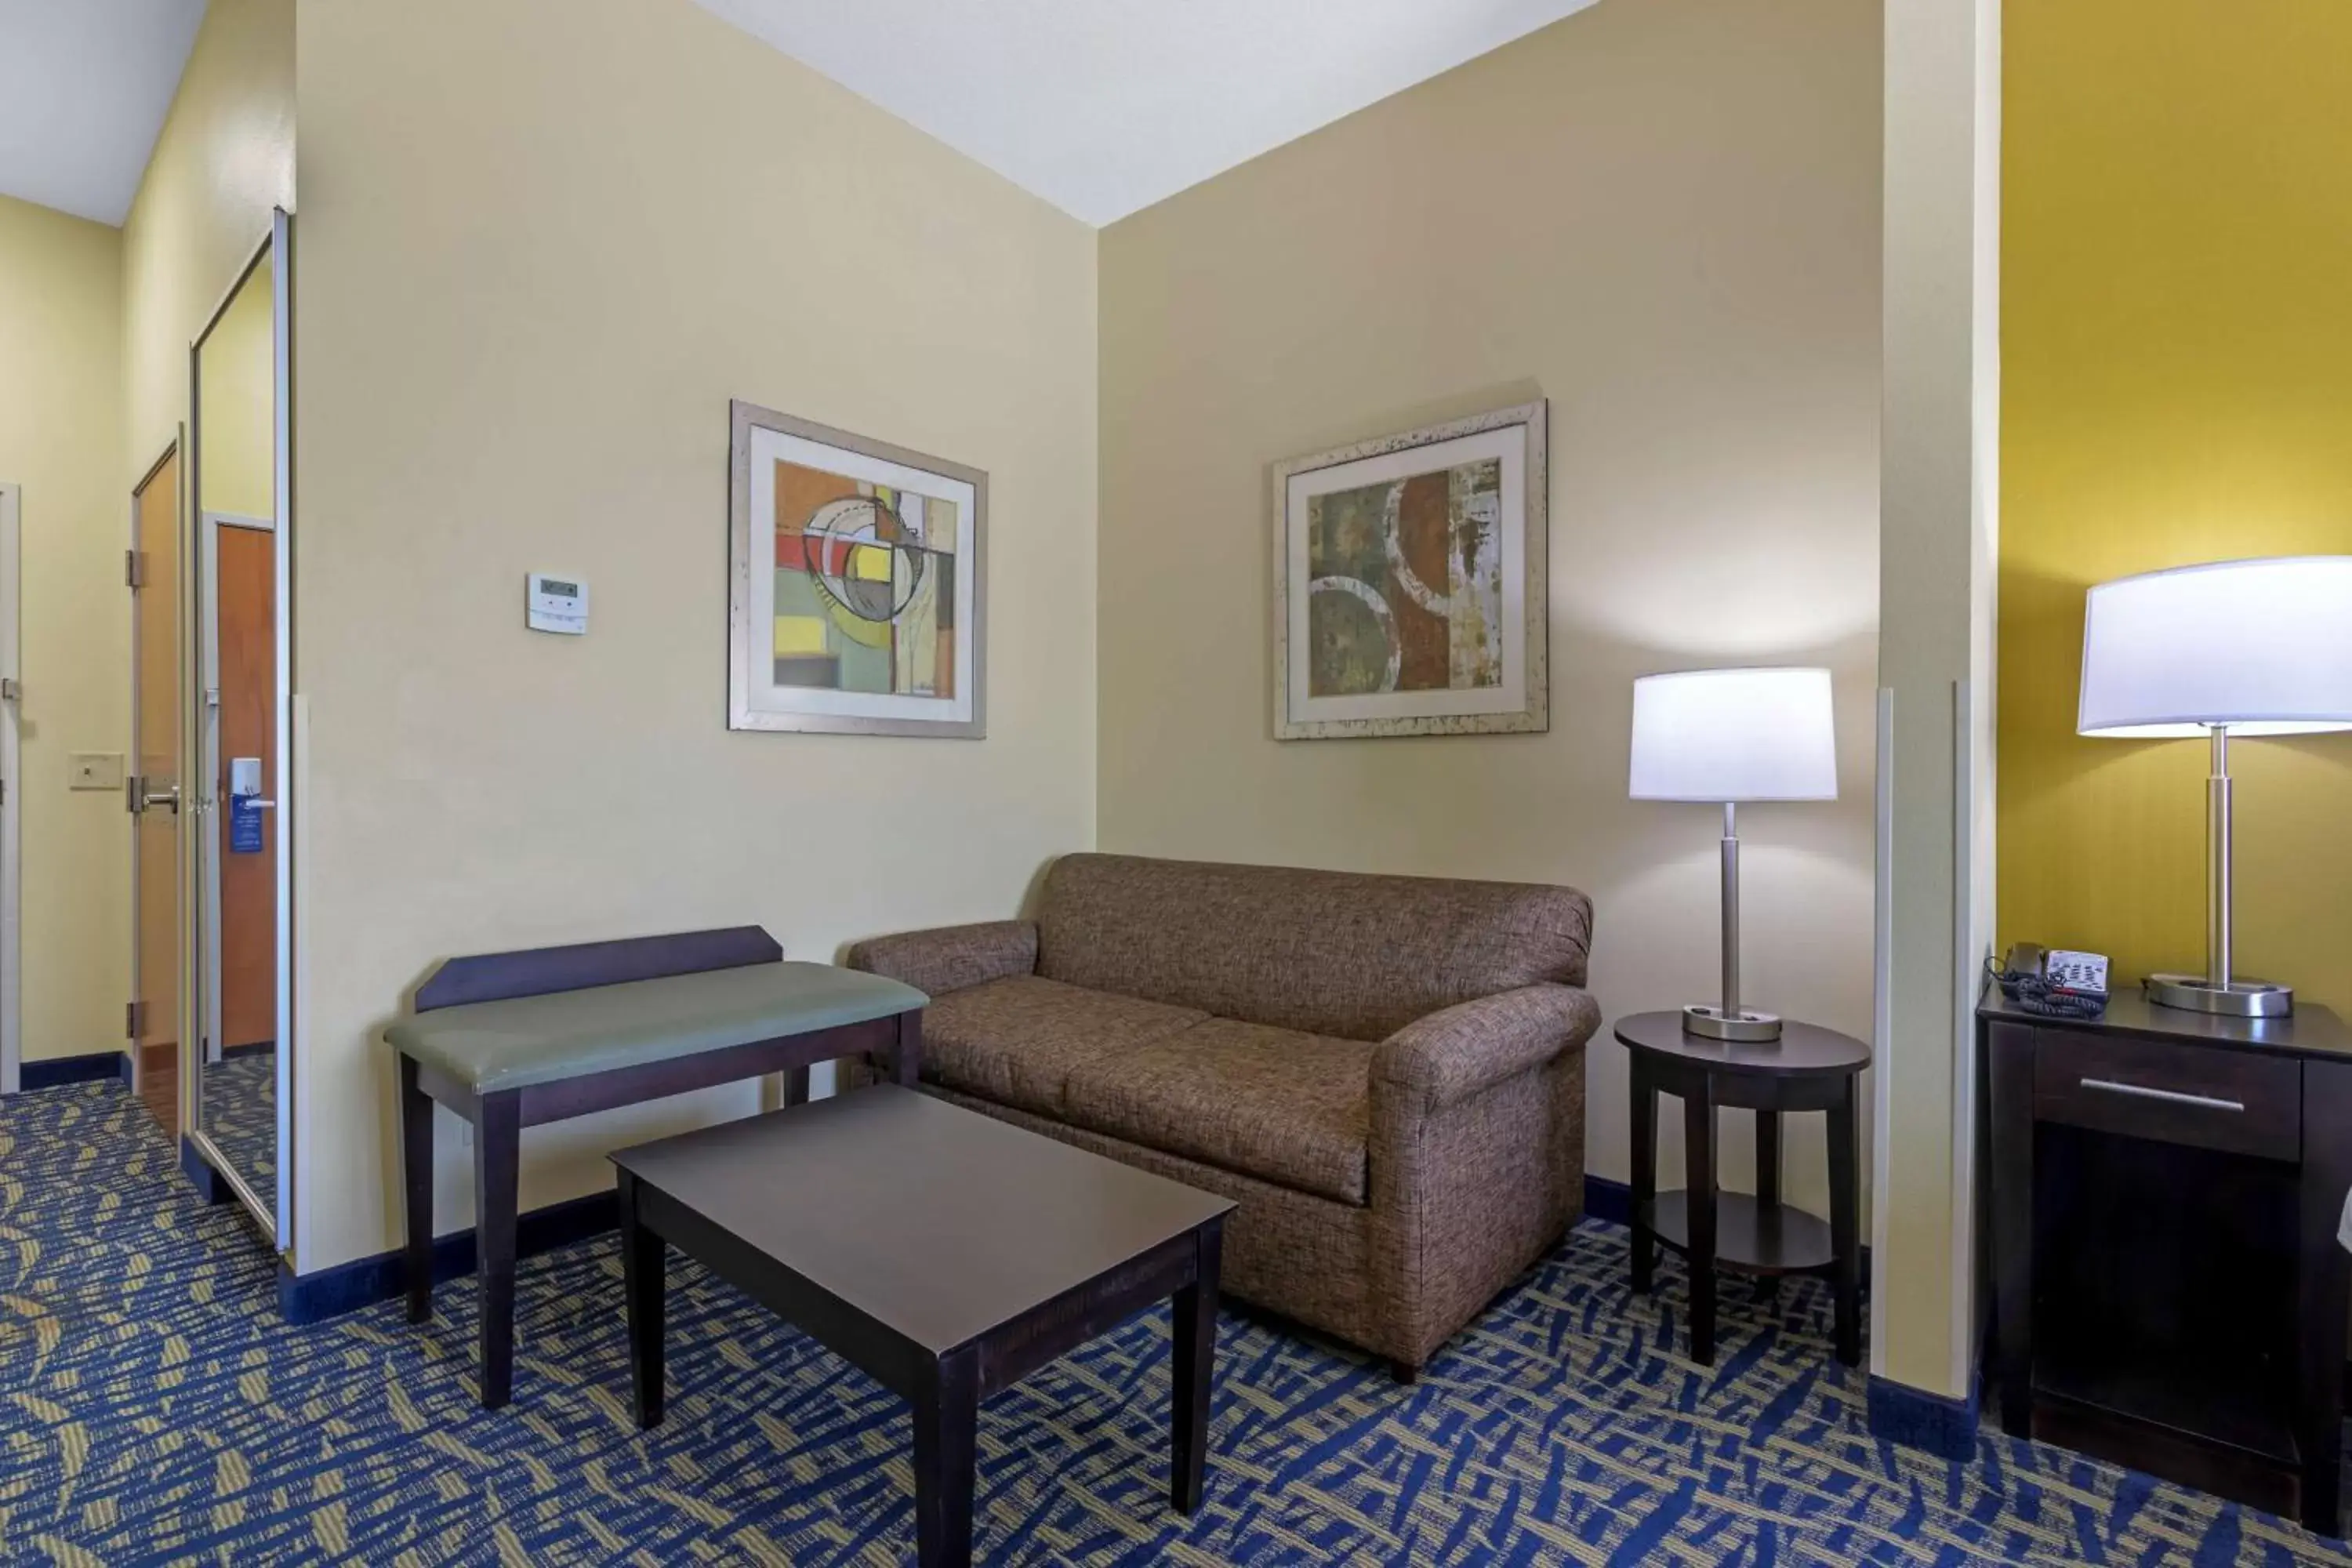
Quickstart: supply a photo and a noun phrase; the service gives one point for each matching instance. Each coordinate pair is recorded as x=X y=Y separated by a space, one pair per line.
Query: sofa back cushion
x=1329 y=952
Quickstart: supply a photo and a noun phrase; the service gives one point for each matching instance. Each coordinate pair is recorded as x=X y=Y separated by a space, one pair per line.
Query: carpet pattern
x=153 y=1409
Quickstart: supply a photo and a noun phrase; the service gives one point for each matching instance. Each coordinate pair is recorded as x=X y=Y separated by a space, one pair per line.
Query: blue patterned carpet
x=152 y=1408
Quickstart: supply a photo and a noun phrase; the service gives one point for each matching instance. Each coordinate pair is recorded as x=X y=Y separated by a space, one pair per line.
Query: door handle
x=169 y=799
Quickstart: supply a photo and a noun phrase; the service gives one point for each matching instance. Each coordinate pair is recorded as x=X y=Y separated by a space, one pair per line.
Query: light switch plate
x=95 y=770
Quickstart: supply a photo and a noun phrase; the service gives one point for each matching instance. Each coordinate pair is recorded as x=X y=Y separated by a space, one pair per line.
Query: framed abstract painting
x=857 y=573
x=1409 y=578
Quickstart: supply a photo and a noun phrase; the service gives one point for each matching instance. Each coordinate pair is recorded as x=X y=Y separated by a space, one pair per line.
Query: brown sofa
x=1386 y=1073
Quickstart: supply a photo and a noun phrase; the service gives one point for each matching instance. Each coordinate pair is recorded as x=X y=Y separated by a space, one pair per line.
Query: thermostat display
x=558 y=605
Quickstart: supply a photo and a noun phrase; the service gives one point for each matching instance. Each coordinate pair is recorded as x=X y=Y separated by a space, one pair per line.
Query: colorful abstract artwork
x=1412 y=584
x=857 y=583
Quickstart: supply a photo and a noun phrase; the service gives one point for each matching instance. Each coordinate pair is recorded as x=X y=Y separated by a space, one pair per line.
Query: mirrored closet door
x=239 y=1065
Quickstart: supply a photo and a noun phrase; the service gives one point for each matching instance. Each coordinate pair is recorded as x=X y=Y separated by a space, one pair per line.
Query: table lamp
x=2245 y=647
x=1724 y=736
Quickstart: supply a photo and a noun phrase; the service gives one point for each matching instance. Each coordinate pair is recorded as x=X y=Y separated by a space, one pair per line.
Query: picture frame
x=1368 y=642
x=857 y=575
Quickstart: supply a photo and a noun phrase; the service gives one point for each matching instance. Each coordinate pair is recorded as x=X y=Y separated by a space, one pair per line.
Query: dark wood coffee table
x=946 y=1253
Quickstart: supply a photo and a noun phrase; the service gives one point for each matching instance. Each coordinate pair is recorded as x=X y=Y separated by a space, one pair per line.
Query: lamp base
x=2239 y=999
x=1715 y=1024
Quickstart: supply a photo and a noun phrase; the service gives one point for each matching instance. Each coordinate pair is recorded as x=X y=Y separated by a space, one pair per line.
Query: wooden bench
x=509 y=1040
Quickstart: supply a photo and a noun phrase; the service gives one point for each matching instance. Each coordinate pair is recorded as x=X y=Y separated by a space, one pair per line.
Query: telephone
x=2056 y=983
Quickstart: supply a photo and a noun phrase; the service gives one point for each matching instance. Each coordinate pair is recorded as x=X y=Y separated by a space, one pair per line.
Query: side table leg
x=1699 y=1138
x=1194 y=1370
x=1845 y=1220
x=946 y=1424
x=645 y=1258
x=1645 y=1176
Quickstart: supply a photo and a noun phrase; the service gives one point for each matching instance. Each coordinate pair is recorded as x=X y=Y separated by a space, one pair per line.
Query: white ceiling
x=1105 y=106
x=84 y=86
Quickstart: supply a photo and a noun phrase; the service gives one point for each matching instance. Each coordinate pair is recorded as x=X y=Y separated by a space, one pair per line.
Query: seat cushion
x=1284 y=1107
x=1016 y=1041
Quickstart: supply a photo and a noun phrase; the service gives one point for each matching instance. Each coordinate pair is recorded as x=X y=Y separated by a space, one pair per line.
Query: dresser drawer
x=2208 y=1096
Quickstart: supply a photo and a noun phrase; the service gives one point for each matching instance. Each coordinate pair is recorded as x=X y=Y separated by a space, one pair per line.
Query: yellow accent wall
x=61 y=442
x=2177 y=346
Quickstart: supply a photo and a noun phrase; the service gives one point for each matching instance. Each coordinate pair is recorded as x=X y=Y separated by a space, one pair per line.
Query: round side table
x=1807 y=1069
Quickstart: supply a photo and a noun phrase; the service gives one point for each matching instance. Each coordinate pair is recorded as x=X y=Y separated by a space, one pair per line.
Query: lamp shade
x=2264 y=647
x=1734 y=735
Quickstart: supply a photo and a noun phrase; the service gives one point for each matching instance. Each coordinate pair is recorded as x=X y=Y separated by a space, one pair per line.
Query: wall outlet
x=95 y=770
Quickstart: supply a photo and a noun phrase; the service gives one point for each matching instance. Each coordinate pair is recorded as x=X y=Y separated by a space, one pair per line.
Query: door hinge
x=134 y=569
x=134 y=1019
x=131 y=794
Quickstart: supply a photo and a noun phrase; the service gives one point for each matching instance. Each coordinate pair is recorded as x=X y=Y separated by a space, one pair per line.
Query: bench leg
x=906 y=1060
x=416 y=1187
x=497 y=1139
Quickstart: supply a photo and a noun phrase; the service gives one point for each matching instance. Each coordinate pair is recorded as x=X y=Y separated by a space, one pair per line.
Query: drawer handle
x=2169 y=1096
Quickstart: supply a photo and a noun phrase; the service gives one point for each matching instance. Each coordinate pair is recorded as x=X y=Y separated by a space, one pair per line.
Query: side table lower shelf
x=1751 y=1237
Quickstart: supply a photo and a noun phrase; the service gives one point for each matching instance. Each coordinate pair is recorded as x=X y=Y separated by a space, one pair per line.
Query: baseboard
x=54 y=1072
x=1934 y=1423
x=348 y=1287
x=1605 y=1199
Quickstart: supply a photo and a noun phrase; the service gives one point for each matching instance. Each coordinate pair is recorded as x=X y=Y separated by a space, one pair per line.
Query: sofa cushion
x=1284 y=1107
x=1015 y=1041
x=1330 y=952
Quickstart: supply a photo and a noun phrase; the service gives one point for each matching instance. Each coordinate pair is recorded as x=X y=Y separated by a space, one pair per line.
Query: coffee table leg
x=1194 y=1369
x=947 y=1422
x=644 y=1263
x=497 y=1155
x=906 y=1056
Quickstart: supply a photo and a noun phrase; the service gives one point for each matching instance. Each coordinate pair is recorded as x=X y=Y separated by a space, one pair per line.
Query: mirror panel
x=238 y=1066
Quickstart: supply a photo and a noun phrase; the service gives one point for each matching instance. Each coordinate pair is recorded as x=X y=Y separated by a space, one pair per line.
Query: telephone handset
x=2056 y=984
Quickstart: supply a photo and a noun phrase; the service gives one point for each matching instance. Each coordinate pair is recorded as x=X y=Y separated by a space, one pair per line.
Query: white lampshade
x=1734 y=735
x=2265 y=646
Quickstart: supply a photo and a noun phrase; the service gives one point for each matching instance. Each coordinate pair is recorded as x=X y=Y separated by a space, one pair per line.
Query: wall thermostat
x=558 y=604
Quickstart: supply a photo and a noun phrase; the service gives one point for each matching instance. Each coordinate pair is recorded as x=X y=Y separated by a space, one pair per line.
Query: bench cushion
x=1017 y=1040
x=492 y=1047
x=1286 y=1108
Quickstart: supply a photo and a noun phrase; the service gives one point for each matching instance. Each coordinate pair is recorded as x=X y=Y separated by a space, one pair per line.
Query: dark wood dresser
x=2168 y=1290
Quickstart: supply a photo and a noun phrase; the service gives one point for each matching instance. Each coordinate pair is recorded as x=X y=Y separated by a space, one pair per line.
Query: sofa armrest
x=1446 y=1058
x=950 y=958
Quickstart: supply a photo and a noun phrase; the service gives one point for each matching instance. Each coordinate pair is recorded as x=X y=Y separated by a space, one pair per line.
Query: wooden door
x=156 y=796
x=245 y=610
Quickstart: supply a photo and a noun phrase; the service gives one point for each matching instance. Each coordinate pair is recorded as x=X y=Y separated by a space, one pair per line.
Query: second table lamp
x=1724 y=736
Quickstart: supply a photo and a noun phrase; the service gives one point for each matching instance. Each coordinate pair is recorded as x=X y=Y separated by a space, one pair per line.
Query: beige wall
x=520 y=316
x=61 y=441
x=224 y=158
x=238 y=472
x=1662 y=215
x=1940 y=503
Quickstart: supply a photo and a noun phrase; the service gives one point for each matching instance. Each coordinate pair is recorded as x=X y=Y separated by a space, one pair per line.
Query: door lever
x=167 y=797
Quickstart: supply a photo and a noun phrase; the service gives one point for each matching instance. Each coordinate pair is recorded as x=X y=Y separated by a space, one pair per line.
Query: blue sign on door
x=244 y=825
